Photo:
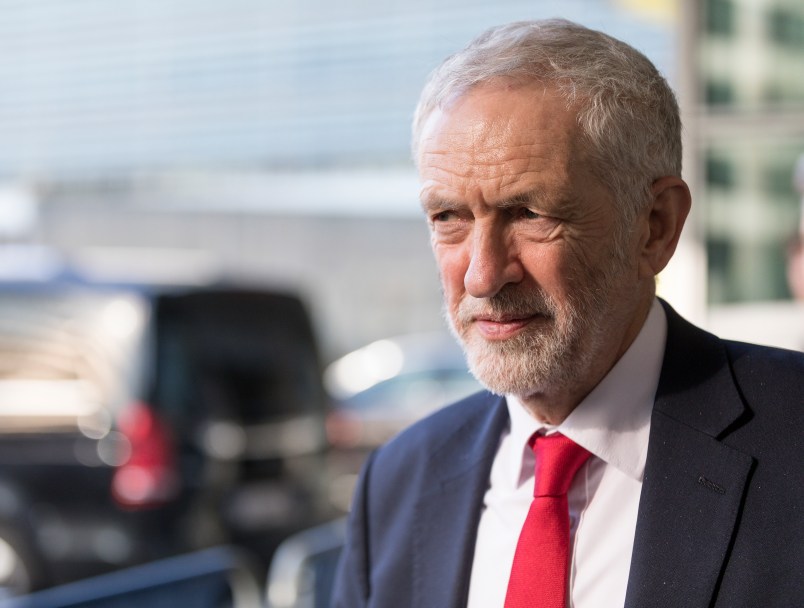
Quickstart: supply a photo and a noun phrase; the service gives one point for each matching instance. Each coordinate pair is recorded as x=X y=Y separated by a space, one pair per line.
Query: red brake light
x=344 y=430
x=148 y=477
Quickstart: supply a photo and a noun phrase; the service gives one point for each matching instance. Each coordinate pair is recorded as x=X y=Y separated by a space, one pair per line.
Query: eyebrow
x=521 y=199
x=430 y=205
x=518 y=200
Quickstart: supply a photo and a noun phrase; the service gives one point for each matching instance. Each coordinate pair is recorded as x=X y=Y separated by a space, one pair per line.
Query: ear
x=664 y=218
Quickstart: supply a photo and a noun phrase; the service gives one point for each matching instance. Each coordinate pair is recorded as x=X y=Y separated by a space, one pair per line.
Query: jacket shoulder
x=763 y=362
x=769 y=378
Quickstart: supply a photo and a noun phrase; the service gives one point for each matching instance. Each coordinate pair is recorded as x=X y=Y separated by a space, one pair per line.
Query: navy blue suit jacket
x=720 y=514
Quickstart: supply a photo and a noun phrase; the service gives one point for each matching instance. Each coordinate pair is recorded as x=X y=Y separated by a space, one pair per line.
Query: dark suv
x=137 y=423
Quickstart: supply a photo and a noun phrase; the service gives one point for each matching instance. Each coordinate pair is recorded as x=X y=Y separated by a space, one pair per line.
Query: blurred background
x=216 y=289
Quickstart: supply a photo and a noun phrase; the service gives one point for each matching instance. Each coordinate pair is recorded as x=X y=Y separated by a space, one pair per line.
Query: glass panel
x=753 y=53
x=751 y=210
x=719 y=17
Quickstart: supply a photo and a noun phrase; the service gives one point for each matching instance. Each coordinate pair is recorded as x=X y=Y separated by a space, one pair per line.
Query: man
x=550 y=162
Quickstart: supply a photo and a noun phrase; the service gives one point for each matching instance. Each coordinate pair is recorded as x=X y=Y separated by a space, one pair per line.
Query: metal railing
x=213 y=578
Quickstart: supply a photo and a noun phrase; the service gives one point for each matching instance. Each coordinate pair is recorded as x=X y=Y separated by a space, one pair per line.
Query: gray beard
x=550 y=355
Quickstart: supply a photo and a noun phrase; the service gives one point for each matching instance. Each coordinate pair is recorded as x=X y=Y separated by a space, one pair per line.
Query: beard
x=553 y=351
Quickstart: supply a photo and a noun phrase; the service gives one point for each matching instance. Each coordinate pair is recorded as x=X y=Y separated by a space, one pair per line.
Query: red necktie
x=539 y=576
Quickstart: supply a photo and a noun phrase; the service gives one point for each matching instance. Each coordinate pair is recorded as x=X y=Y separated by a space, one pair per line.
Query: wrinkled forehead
x=488 y=120
x=455 y=90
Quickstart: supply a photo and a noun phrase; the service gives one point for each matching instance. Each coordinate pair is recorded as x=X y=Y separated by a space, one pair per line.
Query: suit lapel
x=447 y=516
x=694 y=484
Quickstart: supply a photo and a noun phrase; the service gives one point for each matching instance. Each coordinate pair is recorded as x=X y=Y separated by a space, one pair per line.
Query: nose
x=493 y=263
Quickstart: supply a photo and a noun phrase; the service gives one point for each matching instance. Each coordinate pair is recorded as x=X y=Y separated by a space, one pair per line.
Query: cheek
x=547 y=266
x=452 y=267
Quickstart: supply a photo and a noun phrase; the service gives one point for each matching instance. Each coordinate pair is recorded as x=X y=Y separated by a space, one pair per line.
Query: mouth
x=502 y=328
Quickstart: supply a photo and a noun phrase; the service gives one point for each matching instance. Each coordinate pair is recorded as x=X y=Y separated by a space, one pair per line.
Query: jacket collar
x=447 y=515
x=694 y=483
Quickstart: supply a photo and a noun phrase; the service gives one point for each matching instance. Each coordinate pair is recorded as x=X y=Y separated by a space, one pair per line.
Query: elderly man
x=620 y=456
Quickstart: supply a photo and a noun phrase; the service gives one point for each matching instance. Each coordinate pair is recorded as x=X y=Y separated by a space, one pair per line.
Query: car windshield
x=413 y=395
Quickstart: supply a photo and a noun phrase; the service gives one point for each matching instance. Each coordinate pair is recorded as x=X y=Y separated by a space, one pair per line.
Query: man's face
x=534 y=285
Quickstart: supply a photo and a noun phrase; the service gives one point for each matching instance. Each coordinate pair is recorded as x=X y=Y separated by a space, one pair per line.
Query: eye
x=449 y=226
x=443 y=216
x=523 y=213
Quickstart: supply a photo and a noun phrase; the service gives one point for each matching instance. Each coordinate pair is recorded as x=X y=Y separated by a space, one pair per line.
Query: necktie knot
x=557 y=461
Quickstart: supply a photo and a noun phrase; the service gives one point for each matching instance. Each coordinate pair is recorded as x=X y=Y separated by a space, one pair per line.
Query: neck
x=546 y=410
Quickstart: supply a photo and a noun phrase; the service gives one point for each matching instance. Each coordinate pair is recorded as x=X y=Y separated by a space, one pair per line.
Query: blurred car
x=382 y=388
x=218 y=577
x=138 y=423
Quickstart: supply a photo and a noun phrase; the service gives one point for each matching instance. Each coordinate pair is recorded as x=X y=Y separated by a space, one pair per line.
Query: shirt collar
x=613 y=421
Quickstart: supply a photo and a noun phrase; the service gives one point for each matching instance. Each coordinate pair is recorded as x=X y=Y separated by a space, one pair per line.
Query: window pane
x=751 y=211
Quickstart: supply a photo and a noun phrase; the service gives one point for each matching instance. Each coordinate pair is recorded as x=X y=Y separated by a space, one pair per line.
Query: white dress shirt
x=613 y=423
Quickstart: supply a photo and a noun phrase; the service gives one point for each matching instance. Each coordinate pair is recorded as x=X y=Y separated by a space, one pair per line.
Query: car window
x=414 y=394
x=243 y=356
x=68 y=355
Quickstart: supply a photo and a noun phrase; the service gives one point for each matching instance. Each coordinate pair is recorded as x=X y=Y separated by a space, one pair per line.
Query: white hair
x=627 y=113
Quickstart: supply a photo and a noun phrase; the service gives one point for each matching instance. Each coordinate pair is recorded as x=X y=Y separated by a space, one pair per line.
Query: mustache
x=508 y=302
